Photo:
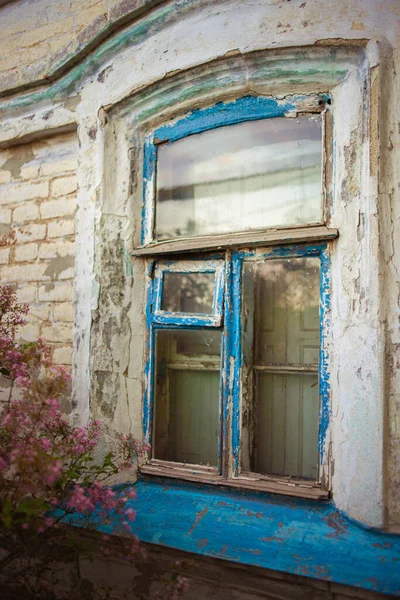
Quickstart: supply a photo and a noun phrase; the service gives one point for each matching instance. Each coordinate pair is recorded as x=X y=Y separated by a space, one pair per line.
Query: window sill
x=290 y=535
x=266 y=237
x=206 y=475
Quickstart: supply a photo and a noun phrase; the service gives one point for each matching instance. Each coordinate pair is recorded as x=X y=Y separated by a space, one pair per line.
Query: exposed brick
x=62 y=141
x=63 y=312
x=8 y=46
x=62 y=356
x=5 y=216
x=57 y=249
x=30 y=172
x=27 y=293
x=21 y=192
x=67 y=273
x=26 y=212
x=61 y=228
x=40 y=312
x=32 y=232
x=86 y=17
x=8 y=80
x=17 y=273
x=58 y=333
x=58 y=208
x=56 y=292
x=26 y=252
x=69 y=163
x=5 y=176
x=41 y=34
x=14 y=25
x=4 y=256
x=29 y=332
x=15 y=59
x=62 y=186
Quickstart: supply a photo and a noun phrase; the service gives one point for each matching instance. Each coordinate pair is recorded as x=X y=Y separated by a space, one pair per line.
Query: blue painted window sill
x=281 y=533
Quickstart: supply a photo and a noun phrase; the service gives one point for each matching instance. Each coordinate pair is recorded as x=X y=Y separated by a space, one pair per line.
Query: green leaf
x=6 y=513
x=32 y=506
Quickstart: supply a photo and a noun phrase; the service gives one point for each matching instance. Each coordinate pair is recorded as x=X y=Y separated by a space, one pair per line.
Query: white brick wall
x=38 y=202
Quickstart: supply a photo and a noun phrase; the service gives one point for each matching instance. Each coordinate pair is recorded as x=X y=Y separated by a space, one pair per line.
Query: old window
x=235 y=237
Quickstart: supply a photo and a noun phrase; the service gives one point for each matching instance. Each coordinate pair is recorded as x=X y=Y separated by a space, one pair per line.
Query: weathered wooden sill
x=246 y=481
x=265 y=237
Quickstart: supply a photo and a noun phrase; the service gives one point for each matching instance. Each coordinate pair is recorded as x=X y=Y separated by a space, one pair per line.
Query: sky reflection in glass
x=252 y=175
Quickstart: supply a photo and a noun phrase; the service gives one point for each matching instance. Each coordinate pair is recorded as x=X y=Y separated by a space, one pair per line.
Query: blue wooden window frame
x=248 y=108
x=227 y=298
x=230 y=282
x=234 y=335
x=163 y=317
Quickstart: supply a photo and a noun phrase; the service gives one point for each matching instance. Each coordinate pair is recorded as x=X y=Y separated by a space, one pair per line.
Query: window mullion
x=231 y=367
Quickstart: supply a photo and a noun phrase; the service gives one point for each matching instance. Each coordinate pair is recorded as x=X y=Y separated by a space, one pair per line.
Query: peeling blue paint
x=247 y=108
x=149 y=174
x=232 y=355
x=235 y=335
x=222 y=114
x=164 y=317
x=226 y=390
x=149 y=368
x=320 y=251
x=324 y=374
x=290 y=535
x=158 y=319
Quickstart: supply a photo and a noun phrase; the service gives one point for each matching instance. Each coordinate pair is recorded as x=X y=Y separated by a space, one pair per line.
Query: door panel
x=287 y=425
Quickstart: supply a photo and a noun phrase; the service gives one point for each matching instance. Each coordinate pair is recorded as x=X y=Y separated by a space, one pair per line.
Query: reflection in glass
x=186 y=415
x=282 y=297
x=281 y=333
x=252 y=175
x=189 y=342
x=188 y=292
x=286 y=425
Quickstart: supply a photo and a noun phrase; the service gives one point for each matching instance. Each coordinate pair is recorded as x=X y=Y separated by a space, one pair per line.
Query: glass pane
x=186 y=416
x=252 y=175
x=188 y=292
x=286 y=425
x=281 y=305
x=189 y=343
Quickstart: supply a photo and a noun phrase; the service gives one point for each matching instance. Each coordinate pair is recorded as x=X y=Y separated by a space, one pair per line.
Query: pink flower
x=131 y=514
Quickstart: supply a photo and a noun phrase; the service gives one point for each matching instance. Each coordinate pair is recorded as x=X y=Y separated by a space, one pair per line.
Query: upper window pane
x=252 y=175
x=188 y=292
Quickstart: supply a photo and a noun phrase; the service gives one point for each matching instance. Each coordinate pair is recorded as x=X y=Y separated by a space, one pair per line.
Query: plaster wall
x=145 y=73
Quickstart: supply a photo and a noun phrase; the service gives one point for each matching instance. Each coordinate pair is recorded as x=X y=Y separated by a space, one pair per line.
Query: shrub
x=48 y=474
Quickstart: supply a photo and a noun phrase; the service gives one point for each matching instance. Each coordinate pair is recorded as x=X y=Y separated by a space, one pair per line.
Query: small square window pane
x=186 y=416
x=286 y=425
x=188 y=292
x=240 y=177
x=281 y=307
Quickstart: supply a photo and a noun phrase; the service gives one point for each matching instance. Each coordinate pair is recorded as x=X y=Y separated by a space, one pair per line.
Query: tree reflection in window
x=188 y=292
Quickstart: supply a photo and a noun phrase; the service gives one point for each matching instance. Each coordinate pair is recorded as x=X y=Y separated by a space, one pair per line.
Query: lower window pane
x=286 y=425
x=186 y=416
